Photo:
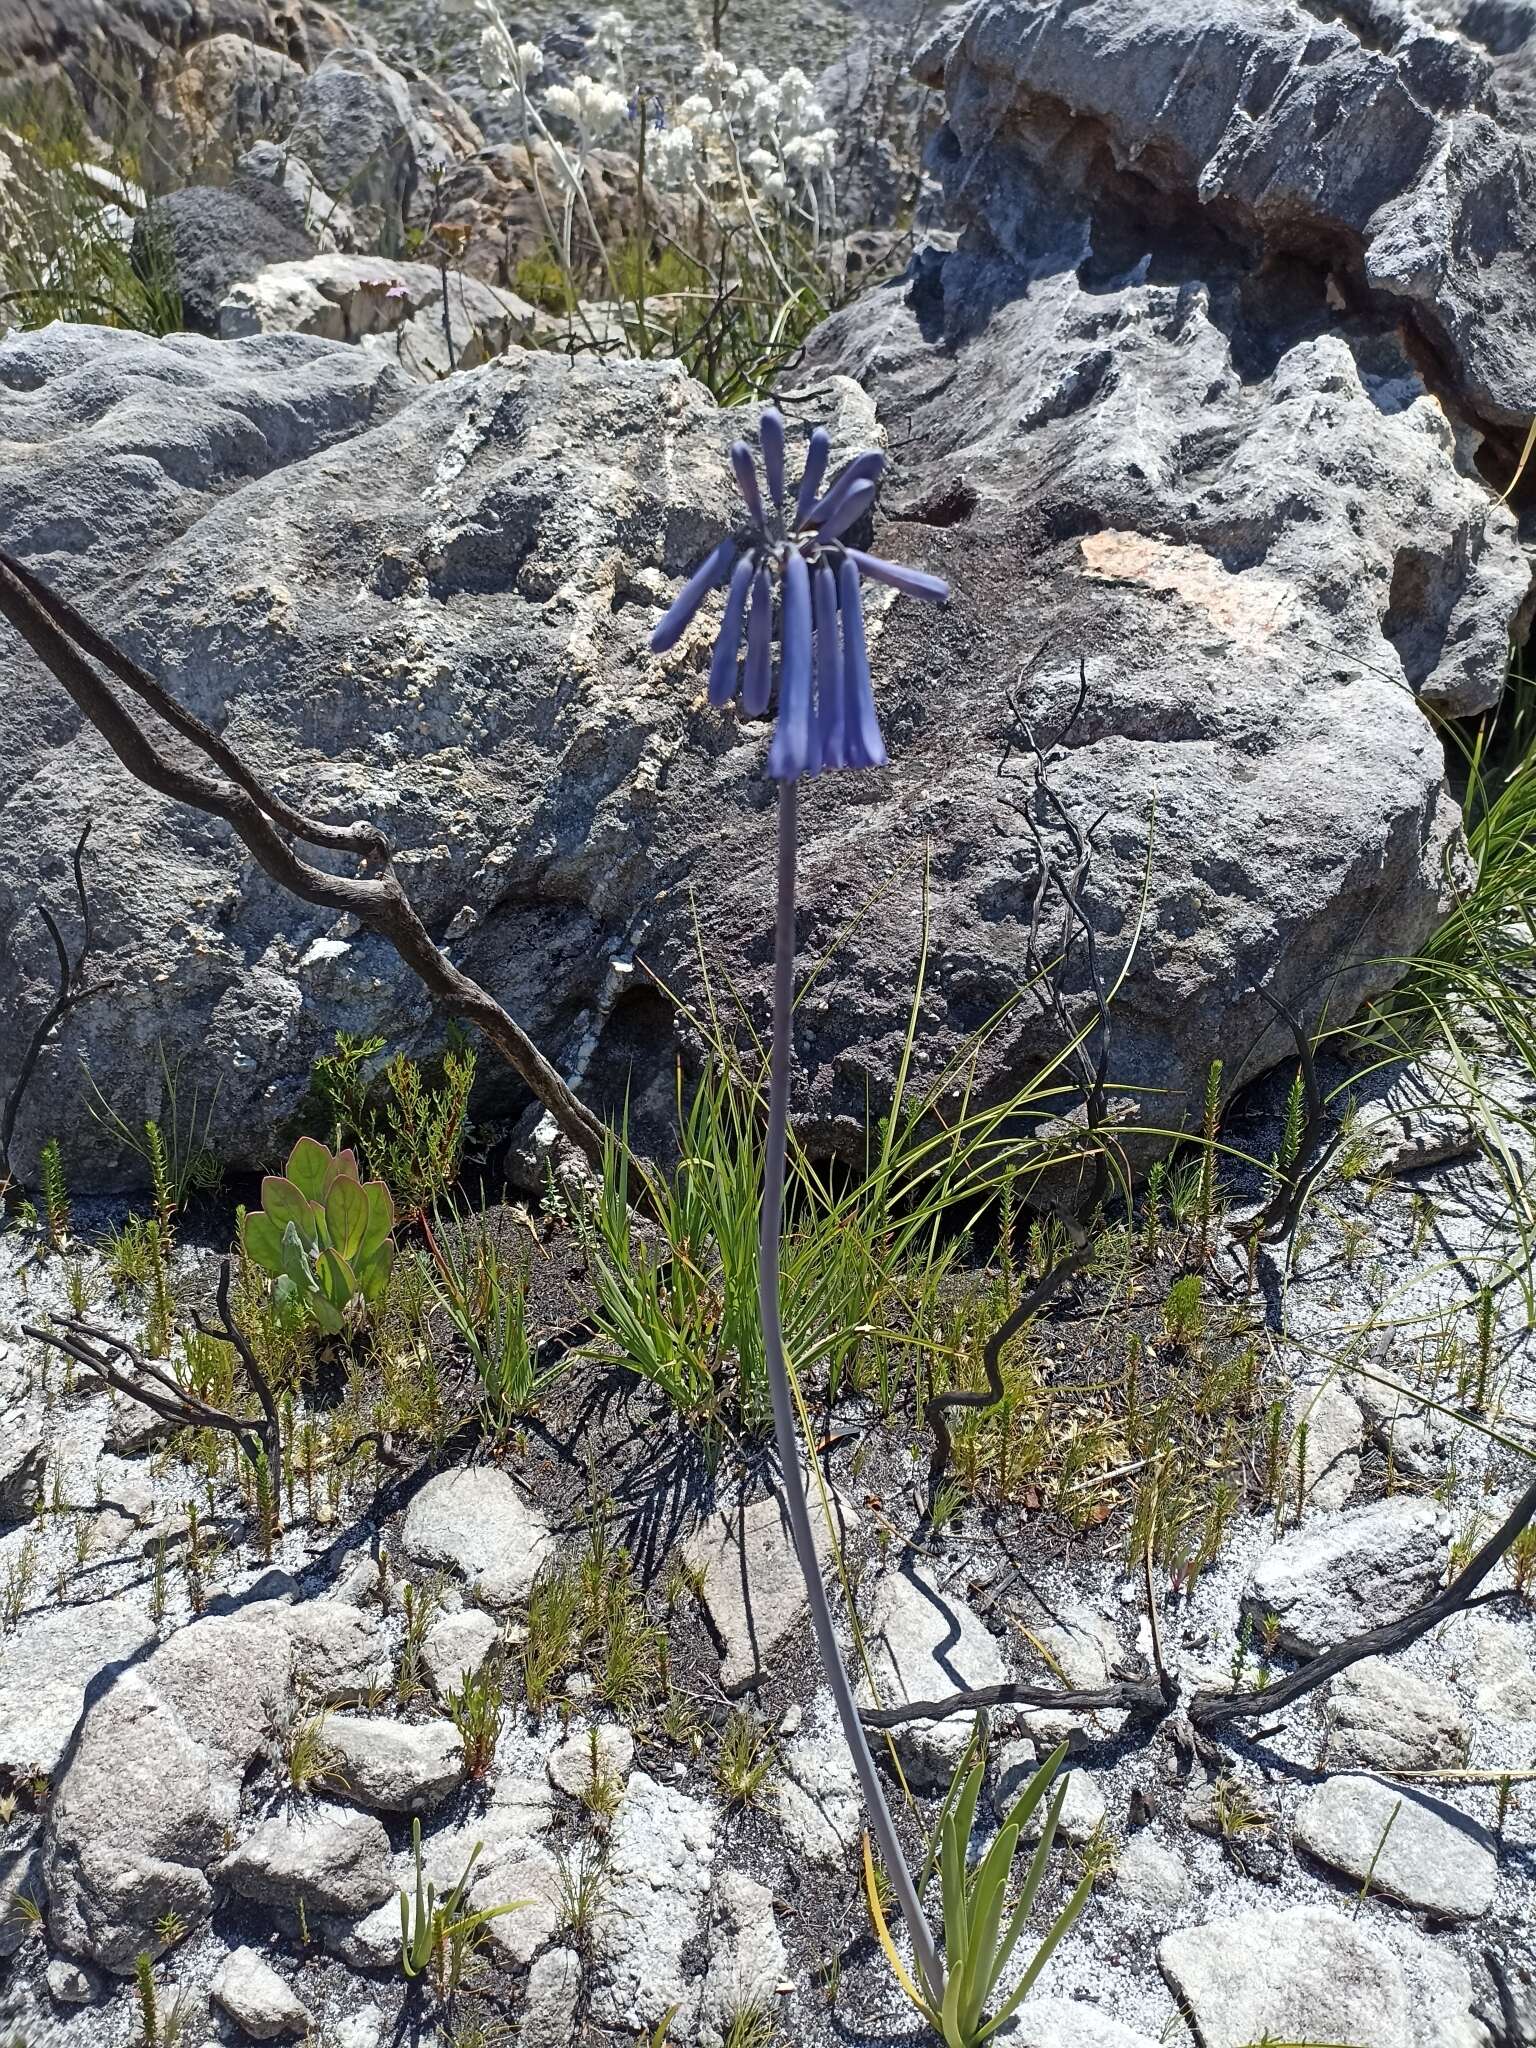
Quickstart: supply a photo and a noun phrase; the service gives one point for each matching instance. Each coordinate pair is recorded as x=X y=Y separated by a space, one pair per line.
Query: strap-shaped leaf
x=286 y=1202
x=346 y=1217
x=883 y=1935
x=952 y=1884
x=1025 y=1906
x=986 y=1916
x=1038 y=1961
x=965 y=1807
x=308 y=1165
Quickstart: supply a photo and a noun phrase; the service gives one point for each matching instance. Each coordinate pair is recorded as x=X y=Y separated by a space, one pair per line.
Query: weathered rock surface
x=23 y=1456
x=1352 y=1572
x=746 y=1957
x=456 y=1647
x=924 y=1643
x=549 y=2000
x=393 y=1766
x=360 y=132
x=604 y=1752
x=153 y=1785
x=1305 y=1974
x=476 y=1521
x=1335 y=1432
x=1502 y=1667
x=1152 y=1879
x=753 y=1586
x=1114 y=113
x=1413 y=1847
x=1381 y=1717
x=205 y=237
x=1070 y=2023
x=47 y=1666
x=661 y=1853
x=817 y=1794
x=257 y=1999
x=334 y=1861
x=1325 y=780
x=404 y=311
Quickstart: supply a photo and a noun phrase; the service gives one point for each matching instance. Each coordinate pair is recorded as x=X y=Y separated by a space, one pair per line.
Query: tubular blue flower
x=797 y=561
x=817 y=451
x=759 y=679
x=710 y=572
x=746 y=479
x=790 y=753
x=722 y=670
x=913 y=582
x=844 y=508
x=771 y=435
x=830 y=721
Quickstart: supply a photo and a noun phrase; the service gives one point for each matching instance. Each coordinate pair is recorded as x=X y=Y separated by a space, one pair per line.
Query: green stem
x=785 y=1434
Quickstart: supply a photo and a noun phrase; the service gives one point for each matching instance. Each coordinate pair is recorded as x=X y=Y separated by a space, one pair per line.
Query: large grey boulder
x=393 y=1766
x=1352 y=1572
x=150 y=1787
x=436 y=613
x=752 y=1583
x=477 y=1521
x=1305 y=1974
x=361 y=133
x=1385 y=1718
x=201 y=239
x=924 y=1643
x=322 y=1862
x=153 y=1786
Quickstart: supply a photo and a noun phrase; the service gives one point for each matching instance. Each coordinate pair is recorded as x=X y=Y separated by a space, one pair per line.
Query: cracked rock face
x=1382 y=153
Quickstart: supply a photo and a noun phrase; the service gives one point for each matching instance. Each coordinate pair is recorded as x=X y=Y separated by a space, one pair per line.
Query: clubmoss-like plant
x=50 y=1167
x=324 y=1236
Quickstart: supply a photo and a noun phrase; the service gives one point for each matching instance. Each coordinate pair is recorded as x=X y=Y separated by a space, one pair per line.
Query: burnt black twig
x=124 y=1367
x=73 y=990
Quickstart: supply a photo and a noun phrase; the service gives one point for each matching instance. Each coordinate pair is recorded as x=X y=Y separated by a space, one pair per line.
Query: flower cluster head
x=591 y=105
x=794 y=553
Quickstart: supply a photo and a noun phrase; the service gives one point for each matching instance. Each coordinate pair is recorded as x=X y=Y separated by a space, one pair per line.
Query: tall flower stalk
x=792 y=560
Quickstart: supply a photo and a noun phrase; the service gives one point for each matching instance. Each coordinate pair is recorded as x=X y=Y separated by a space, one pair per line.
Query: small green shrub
x=409 y=1129
x=324 y=1236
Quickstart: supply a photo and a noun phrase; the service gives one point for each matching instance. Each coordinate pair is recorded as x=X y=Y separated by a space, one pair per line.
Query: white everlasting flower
x=812 y=153
x=613 y=30
x=697 y=111
x=674 y=156
x=794 y=92
x=563 y=101
x=530 y=60
x=588 y=103
x=714 y=72
x=503 y=62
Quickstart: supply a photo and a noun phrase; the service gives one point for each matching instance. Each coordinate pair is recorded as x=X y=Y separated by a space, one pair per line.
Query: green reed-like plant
x=982 y=1927
x=439 y=1934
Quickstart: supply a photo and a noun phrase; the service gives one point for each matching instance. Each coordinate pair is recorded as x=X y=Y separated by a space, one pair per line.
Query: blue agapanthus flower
x=795 y=560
